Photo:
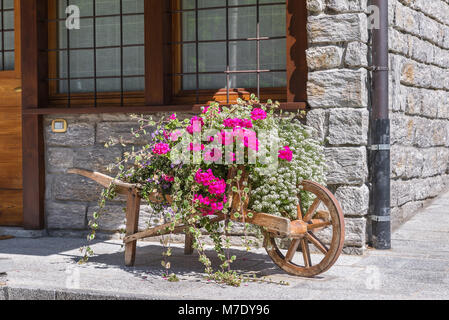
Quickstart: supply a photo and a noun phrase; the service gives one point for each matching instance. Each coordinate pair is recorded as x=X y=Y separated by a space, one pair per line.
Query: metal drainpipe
x=380 y=135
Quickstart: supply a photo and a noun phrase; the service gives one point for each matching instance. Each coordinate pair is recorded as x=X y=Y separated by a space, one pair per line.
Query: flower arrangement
x=188 y=161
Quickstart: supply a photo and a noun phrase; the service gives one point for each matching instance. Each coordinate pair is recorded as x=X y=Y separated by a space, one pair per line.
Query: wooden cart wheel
x=327 y=242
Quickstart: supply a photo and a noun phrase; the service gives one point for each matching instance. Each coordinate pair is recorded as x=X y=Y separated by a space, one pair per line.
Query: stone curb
x=29 y=293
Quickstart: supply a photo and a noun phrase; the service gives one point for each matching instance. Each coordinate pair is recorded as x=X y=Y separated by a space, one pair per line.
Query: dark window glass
x=6 y=35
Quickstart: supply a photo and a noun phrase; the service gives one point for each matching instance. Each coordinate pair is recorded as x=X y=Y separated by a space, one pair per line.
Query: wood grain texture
x=11 y=204
x=34 y=65
x=132 y=224
x=11 y=210
x=296 y=51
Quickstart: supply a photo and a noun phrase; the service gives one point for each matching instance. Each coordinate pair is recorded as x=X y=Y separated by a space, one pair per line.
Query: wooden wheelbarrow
x=321 y=226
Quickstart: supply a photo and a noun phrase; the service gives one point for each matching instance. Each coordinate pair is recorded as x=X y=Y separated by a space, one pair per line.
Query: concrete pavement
x=45 y=268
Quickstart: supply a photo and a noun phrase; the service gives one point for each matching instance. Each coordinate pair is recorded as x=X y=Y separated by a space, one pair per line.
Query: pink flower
x=173 y=116
x=196 y=124
x=217 y=187
x=230 y=157
x=258 y=114
x=196 y=147
x=286 y=154
x=168 y=178
x=231 y=123
x=246 y=123
x=235 y=123
x=227 y=138
x=202 y=200
x=217 y=206
x=161 y=148
x=206 y=109
x=213 y=156
x=197 y=119
x=204 y=178
x=248 y=137
x=174 y=135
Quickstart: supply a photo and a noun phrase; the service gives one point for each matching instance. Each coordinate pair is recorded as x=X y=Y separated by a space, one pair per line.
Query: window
x=104 y=56
x=179 y=53
x=234 y=45
x=6 y=35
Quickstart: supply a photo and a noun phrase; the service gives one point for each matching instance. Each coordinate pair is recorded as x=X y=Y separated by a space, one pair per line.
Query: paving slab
x=47 y=268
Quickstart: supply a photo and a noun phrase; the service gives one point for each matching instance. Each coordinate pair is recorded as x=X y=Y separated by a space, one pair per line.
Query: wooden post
x=132 y=223
x=296 y=51
x=157 y=53
x=188 y=245
x=34 y=94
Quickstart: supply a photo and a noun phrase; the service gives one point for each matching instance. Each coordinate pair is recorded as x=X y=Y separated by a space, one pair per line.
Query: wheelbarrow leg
x=132 y=223
x=188 y=245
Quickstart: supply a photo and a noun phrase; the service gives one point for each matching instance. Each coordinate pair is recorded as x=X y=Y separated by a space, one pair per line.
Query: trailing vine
x=190 y=167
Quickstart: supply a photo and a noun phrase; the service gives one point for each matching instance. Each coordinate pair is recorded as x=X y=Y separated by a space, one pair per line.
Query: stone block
x=121 y=132
x=65 y=215
x=348 y=126
x=337 y=28
x=318 y=119
x=414 y=163
x=338 y=88
x=356 y=54
x=315 y=6
x=402 y=129
x=59 y=158
x=398 y=161
x=354 y=201
x=414 y=101
x=401 y=192
x=96 y=158
x=328 y=57
x=79 y=134
x=346 y=166
x=71 y=187
x=341 y=6
x=112 y=217
x=355 y=232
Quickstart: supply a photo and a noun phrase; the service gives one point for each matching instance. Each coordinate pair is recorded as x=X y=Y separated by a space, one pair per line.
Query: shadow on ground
x=149 y=257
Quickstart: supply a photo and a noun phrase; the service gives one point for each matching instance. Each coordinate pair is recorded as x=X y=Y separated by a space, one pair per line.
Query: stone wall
x=419 y=103
x=339 y=97
x=71 y=200
x=338 y=94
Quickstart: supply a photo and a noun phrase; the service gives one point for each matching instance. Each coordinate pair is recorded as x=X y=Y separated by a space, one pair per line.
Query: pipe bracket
x=380 y=147
x=380 y=218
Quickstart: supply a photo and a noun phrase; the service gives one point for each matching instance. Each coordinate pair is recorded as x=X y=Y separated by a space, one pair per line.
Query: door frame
x=34 y=68
x=15 y=76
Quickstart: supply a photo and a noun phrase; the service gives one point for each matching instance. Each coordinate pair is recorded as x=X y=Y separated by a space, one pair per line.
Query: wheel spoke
x=312 y=210
x=292 y=250
x=298 y=211
x=306 y=253
x=317 y=242
x=318 y=225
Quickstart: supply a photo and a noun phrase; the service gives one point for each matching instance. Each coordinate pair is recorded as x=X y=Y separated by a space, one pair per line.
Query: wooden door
x=11 y=135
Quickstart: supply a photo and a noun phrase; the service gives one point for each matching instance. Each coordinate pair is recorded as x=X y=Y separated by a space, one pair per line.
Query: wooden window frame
x=159 y=32
x=83 y=100
x=208 y=95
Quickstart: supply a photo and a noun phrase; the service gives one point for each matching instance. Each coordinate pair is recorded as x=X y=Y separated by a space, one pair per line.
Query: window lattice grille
x=105 y=55
x=7 y=35
x=230 y=44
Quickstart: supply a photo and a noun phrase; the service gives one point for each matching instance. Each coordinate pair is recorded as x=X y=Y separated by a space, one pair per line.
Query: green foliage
x=267 y=188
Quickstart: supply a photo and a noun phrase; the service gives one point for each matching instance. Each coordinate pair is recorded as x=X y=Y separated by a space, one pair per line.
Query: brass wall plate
x=59 y=126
